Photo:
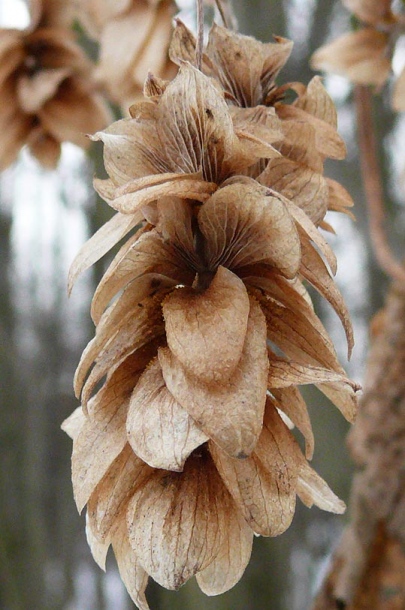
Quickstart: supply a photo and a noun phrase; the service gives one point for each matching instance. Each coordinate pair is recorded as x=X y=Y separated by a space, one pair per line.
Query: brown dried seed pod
x=205 y=331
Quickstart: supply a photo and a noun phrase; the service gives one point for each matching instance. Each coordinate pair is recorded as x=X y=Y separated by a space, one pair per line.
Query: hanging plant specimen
x=183 y=448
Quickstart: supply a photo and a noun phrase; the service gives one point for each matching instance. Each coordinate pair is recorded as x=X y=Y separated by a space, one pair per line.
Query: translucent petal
x=178 y=522
x=245 y=224
x=146 y=257
x=206 y=330
x=134 y=577
x=159 y=430
x=360 y=55
x=195 y=125
x=100 y=243
x=304 y=187
x=264 y=484
x=230 y=413
x=94 y=450
x=131 y=150
x=290 y=401
x=233 y=556
x=312 y=489
x=126 y=474
x=137 y=193
x=125 y=327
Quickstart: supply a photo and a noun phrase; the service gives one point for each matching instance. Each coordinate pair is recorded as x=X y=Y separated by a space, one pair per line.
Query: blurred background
x=45 y=216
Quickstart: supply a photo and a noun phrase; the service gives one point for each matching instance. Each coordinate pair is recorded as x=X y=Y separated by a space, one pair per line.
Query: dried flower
x=134 y=36
x=184 y=145
x=361 y=56
x=364 y=56
x=46 y=91
x=204 y=331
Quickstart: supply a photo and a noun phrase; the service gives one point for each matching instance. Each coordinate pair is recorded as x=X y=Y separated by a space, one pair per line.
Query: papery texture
x=204 y=326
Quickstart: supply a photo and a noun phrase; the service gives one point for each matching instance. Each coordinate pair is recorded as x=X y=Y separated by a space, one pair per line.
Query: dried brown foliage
x=133 y=37
x=45 y=86
x=364 y=56
x=204 y=329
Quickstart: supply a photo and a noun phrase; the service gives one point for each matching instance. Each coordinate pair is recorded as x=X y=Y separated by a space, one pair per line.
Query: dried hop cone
x=204 y=328
x=134 y=36
x=45 y=88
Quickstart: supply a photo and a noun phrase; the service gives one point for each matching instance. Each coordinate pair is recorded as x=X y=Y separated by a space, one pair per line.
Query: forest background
x=45 y=216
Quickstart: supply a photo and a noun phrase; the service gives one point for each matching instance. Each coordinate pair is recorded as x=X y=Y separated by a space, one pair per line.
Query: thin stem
x=227 y=15
x=372 y=184
x=200 y=33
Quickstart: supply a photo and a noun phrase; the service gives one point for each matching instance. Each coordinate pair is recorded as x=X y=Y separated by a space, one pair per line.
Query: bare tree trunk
x=368 y=567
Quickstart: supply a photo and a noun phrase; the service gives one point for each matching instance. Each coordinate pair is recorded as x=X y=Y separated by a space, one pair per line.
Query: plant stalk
x=372 y=183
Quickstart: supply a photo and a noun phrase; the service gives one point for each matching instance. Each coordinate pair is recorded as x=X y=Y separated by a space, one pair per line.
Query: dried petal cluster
x=45 y=87
x=182 y=448
x=134 y=36
x=364 y=56
x=304 y=132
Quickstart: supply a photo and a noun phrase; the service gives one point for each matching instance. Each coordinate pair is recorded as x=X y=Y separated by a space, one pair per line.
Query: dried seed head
x=134 y=37
x=46 y=89
x=204 y=327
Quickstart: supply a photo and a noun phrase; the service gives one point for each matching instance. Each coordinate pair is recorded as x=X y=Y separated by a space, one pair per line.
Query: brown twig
x=200 y=34
x=227 y=15
x=372 y=183
x=368 y=566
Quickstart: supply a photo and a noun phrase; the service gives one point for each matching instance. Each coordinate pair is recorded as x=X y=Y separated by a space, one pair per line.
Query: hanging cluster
x=45 y=87
x=365 y=55
x=133 y=37
x=53 y=93
x=204 y=328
